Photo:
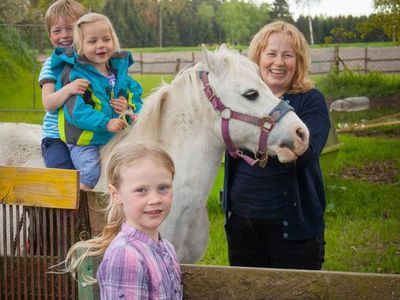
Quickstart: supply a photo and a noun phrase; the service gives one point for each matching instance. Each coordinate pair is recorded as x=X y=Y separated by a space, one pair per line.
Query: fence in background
x=378 y=59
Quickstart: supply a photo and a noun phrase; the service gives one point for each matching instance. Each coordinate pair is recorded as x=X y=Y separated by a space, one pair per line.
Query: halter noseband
x=266 y=123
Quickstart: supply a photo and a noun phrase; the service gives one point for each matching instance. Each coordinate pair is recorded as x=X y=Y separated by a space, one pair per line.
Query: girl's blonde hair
x=300 y=82
x=92 y=18
x=121 y=157
x=66 y=9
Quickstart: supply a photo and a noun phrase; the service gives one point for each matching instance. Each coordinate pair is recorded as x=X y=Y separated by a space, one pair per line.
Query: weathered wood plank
x=220 y=283
x=40 y=187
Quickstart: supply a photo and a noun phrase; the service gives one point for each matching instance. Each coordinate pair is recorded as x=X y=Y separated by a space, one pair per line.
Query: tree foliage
x=280 y=11
x=13 y=11
x=387 y=18
x=193 y=22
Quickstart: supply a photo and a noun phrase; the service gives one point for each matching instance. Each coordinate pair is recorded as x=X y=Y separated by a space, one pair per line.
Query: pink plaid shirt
x=135 y=266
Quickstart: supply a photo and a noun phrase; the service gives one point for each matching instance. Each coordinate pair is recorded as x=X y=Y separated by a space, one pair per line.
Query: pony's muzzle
x=300 y=139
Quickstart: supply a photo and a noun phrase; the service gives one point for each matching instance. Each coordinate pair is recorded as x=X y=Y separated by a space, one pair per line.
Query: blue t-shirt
x=50 y=120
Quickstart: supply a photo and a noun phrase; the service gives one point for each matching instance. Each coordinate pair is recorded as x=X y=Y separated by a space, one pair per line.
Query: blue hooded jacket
x=83 y=119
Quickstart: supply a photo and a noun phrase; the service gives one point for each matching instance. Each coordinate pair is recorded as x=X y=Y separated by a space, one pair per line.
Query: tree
x=388 y=17
x=234 y=21
x=308 y=4
x=13 y=11
x=240 y=18
x=206 y=16
x=280 y=11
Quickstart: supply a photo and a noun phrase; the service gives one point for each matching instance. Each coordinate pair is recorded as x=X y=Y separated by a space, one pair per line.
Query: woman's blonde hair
x=300 y=82
x=92 y=18
x=121 y=157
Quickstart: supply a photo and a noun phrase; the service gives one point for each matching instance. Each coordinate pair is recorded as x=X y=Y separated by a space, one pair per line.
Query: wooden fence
x=56 y=215
x=379 y=59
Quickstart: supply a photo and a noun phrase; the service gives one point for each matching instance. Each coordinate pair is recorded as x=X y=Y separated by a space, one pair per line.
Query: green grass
x=151 y=82
x=18 y=95
x=348 y=84
x=357 y=45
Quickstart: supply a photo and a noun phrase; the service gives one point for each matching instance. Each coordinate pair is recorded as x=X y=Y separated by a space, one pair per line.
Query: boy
x=59 y=19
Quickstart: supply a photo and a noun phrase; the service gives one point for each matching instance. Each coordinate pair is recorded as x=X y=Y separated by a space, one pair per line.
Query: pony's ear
x=223 y=46
x=213 y=61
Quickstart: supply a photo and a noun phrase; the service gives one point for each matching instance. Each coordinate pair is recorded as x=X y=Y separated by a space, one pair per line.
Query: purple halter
x=266 y=123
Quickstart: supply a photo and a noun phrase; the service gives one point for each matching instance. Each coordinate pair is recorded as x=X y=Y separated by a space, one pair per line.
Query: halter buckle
x=267 y=121
x=226 y=113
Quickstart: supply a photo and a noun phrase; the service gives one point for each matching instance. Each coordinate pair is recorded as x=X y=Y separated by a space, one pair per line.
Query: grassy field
x=362 y=218
x=20 y=98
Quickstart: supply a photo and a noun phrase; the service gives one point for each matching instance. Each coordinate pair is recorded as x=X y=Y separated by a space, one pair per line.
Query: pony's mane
x=147 y=127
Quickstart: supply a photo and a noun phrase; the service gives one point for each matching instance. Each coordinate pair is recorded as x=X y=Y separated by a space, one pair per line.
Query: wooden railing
x=42 y=213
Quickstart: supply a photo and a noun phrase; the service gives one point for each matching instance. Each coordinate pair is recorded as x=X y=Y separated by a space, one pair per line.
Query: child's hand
x=78 y=86
x=115 y=125
x=132 y=115
x=119 y=105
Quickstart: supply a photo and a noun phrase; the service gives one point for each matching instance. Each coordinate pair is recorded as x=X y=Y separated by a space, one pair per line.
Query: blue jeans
x=259 y=243
x=86 y=159
x=56 y=154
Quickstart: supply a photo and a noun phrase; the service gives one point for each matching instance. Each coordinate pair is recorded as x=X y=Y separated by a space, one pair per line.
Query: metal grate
x=32 y=240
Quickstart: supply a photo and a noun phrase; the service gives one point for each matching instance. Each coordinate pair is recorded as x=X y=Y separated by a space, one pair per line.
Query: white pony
x=180 y=118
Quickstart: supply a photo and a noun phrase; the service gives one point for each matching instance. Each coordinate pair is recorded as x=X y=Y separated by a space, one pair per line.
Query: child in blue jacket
x=89 y=121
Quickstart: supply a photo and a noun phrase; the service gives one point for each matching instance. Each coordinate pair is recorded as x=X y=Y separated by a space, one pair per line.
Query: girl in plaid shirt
x=137 y=262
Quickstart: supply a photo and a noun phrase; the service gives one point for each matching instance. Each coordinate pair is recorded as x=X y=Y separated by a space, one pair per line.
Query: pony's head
x=253 y=115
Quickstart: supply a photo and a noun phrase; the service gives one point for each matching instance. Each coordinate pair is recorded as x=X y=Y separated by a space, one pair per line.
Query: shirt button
x=285 y=235
x=285 y=223
x=284 y=193
x=294 y=204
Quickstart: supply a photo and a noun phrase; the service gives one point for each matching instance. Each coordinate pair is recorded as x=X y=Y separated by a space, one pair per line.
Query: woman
x=275 y=214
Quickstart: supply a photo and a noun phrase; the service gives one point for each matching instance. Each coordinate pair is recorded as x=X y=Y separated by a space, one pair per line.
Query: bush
x=348 y=84
x=13 y=49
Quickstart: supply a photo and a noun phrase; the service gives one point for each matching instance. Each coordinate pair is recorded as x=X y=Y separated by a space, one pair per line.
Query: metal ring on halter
x=260 y=155
x=226 y=113
x=267 y=120
x=238 y=151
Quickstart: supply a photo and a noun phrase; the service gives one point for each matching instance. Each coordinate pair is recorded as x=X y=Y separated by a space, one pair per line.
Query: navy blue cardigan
x=294 y=190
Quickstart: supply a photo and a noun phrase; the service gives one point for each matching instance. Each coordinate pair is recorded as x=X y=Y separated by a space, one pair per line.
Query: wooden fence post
x=177 y=65
x=366 y=60
x=141 y=63
x=336 y=57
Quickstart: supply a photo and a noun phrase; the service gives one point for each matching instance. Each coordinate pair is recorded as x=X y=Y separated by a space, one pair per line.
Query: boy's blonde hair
x=121 y=157
x=300 y=82
x=92 y=18
x=66 y=9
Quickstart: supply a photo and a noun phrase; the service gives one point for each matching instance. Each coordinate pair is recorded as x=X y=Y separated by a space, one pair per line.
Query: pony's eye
x=251 y=95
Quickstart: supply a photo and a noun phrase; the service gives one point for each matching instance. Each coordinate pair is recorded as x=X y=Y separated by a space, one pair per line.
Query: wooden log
x=41 y=187
x=220 y=283
x=361 y=127
x=227 y=283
